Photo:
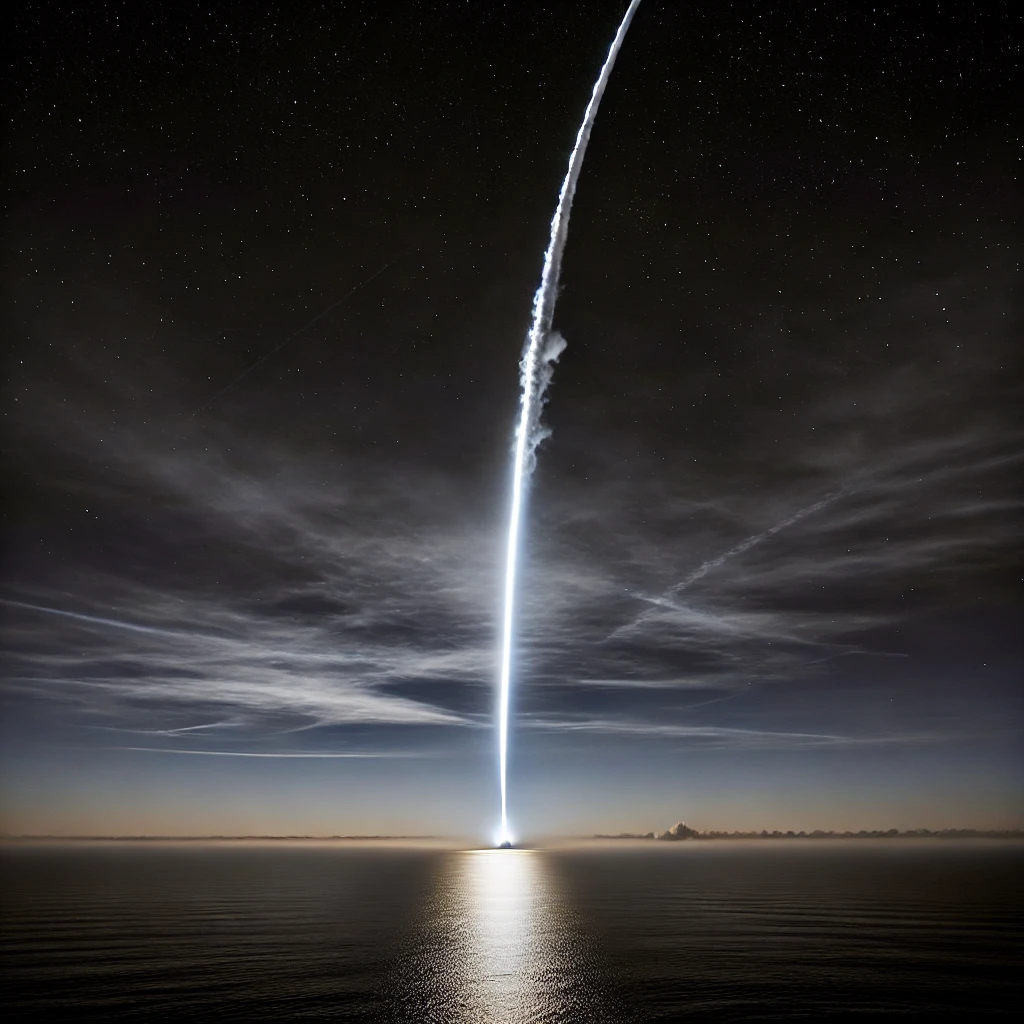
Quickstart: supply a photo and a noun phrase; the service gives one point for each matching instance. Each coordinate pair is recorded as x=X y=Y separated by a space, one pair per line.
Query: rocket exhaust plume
x=542 y=349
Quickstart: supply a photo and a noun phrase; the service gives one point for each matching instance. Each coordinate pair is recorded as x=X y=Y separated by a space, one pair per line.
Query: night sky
x=269 y=274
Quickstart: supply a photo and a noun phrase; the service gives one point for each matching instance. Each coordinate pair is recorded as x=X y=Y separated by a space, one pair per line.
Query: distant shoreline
x=948 y=833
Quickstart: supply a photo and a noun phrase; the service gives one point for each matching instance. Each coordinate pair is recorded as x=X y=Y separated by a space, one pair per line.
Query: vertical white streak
x=542 y=348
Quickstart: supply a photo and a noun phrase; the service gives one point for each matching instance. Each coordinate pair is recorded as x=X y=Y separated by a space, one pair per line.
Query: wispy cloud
x=228 y=591
x=724 y=736
x=286 y=754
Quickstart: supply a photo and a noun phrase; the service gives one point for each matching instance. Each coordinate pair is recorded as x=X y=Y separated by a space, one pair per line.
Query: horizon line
x=648 y=836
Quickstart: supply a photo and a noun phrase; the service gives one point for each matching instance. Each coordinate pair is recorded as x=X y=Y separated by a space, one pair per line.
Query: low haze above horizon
x=269 y=275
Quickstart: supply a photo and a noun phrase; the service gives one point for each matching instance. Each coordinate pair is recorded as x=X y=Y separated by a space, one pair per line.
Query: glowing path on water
x=542 y=348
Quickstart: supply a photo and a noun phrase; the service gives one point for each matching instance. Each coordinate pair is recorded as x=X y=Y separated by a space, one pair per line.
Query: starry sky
x=269 y=274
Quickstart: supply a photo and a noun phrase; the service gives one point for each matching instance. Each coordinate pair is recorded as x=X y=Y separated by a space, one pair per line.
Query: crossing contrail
x=91 y=619
x=543 y=347
x=713 y=563
x=709 y=566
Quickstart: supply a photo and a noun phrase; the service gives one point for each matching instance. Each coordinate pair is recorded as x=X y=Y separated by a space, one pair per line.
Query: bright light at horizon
x=503 y=835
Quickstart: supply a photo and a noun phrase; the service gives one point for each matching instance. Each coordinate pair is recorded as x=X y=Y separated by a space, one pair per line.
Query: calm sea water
x=610 y=932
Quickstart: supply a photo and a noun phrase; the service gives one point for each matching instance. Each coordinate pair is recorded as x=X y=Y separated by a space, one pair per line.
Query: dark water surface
x=609 y=932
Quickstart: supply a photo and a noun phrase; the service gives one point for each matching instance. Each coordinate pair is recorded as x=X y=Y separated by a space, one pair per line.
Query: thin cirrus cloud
x=276 y=593
x=400 y=632
x=723 y=736
x=279 y=754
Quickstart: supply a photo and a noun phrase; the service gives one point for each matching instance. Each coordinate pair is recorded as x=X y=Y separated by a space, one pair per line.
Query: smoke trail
x=542 y=348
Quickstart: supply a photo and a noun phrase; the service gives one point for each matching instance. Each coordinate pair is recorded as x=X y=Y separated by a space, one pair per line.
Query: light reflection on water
x=509 y=932
x=709 y=931
x=498 y=946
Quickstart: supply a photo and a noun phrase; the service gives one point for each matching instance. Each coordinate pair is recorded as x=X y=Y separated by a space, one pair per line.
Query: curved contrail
x=291 y=337
x=542 y=348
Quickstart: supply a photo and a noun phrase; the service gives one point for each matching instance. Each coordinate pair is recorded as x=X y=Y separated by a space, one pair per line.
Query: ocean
x=598 y=932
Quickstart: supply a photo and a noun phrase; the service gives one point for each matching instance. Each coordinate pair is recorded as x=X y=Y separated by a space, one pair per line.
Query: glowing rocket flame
x=542 y=348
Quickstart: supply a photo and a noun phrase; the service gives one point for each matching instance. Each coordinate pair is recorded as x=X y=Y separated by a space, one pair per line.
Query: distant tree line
x=680 y=831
